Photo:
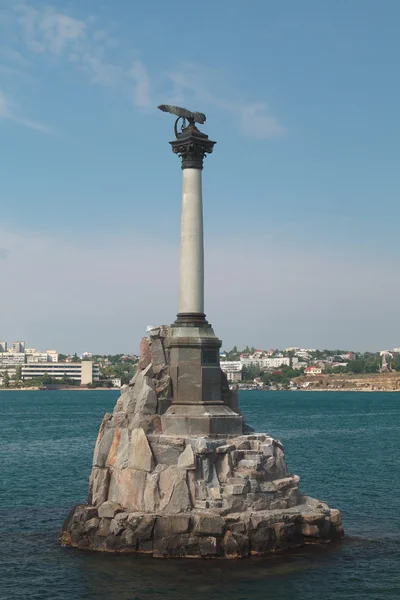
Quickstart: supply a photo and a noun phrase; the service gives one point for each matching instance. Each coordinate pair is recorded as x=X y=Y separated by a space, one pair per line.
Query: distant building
x=3 y=346
x=313 y=370
x=232 y=369
x=18 y=347
x=82 y=372
x=116 y=382
x=12 y=358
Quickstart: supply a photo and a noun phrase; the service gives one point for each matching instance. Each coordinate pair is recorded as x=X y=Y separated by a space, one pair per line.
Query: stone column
x=198 y=406
x=191 y=283
x=192 y=146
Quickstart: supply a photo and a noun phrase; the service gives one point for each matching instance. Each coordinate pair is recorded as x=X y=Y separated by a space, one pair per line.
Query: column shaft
x=191 y=296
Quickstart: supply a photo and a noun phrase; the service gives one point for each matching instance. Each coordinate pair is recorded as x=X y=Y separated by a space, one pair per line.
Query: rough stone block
x=176 y=546
x=157 y=352
x=145 y=353
x=146 y=398
x=100 y=484
x=208 y=524
x=109 y=509
x=174 y=491
x=165 y=454
x=236 y=489
x=127 y=488
x=236 y=545
x=171 y=525
x=225 y=448
x=209 y=547
x=224 y=466
x=140 y=457
x=141 y=525
x=92 y=525
x=104 y=441
x=151 y=496
x=187 y=459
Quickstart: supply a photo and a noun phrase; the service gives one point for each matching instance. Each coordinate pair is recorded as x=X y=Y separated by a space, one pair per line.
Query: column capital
x=192 y=146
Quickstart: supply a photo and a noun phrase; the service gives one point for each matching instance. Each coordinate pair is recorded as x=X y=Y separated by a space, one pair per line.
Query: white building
x=116 y=382
x=313 y=370
x=268 y=363
x=3 y=346
x=232 y=369
x=82 y=373
x=12 y=358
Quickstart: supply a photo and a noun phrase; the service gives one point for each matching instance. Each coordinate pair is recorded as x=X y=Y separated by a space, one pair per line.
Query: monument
x=176 y=471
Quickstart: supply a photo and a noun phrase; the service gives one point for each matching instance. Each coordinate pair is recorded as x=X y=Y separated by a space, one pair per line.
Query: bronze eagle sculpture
x=183 y=113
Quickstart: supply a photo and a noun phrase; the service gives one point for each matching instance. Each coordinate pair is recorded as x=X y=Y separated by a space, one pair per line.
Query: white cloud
x=195 y=83
x=9 y=111
x=48 y=30
x=141 y=90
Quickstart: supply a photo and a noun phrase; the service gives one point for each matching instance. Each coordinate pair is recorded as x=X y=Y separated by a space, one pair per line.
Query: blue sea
x=345 y=447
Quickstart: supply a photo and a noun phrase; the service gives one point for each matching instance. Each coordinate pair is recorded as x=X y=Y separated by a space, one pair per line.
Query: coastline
x=71 y=389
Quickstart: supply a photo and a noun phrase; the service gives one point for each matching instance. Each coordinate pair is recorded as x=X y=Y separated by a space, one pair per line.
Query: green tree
x=18 y=375
x=76 y=358
x=6 y=379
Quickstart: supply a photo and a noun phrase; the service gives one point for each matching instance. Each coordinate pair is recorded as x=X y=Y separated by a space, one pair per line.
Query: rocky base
x=188 y=495
x=200 y=534
x=227 y=498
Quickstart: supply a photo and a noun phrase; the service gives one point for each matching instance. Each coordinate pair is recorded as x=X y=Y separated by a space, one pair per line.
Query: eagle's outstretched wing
x=197 y=117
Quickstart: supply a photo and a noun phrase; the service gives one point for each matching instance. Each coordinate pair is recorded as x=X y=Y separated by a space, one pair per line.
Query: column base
x=190 y=319
x=206 y=419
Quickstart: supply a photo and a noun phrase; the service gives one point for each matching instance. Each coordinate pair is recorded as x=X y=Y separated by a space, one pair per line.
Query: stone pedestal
x=198 y=407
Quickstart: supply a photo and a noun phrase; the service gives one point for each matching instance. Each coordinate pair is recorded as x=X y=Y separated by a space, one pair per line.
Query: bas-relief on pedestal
x=176 y=472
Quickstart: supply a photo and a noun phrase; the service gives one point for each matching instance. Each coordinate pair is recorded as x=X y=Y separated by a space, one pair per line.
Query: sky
x=301 y=193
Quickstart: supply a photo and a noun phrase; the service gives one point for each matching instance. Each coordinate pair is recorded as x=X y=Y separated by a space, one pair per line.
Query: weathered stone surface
x=127 y=488
x=146 y=397
x=208 y=524
x=165 y=454
x=140 y=456
x=223 y=466
x=209 y=547
x=225 y=448
x=119 y=452
x=204 y=445
x=100 y=481
x=187 y=459
x=151 y=496
x=92 y=524
x=176 y=545
x=209 y=472
x=235 y=489
x=157 y=352
x=145 y=353
x=118 y=523
x=236 y=545
x=103 y=443
x=335 y=517
x=174 y=491
x=141 y=525
x=171 y=525
x=128 y=399
x=109 y=509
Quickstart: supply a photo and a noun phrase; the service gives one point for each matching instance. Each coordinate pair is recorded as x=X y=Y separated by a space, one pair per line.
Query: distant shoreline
x=70 y=389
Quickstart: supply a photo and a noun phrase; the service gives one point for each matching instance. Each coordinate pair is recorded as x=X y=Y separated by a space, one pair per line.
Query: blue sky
x=301 y=193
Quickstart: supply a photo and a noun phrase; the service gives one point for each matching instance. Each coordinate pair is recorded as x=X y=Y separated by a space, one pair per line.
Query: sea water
x=345 y=447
